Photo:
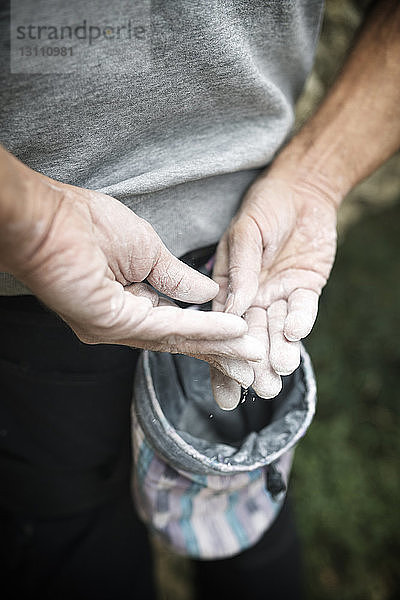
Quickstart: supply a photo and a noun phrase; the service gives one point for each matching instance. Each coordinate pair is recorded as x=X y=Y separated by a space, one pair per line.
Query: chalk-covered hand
x=85 y=254
x=271 y=265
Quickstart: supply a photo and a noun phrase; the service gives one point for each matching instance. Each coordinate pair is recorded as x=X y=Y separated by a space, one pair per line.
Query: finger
x=166 y=321
x=245 y=348
x=220 y=274
x=267 y=383
x=284 y=356
x=133 y=321
x=169 y=323
x=227 y=355
x=174 y=278
x=240 y=371
x=144 y=291
x=209 y=351
x=302 y=312
x=147 y=257
x=282 y=285
x=117 y=316
x=226 y=391
x=245 y=249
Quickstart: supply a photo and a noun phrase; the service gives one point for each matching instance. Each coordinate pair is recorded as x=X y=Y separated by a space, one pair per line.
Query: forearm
x=12 y=184
x=357 y=127
x=27 y=204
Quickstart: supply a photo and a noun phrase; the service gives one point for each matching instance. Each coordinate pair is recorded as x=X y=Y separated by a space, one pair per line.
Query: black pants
x=68 y=529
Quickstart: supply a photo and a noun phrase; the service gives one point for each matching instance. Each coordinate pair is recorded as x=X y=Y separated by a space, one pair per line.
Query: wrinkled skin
x=271 y=265
x=86 y=256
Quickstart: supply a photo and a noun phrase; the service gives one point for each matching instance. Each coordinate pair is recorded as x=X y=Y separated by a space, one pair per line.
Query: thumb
x=244 y=264
x=174 y=278
x=226 y=391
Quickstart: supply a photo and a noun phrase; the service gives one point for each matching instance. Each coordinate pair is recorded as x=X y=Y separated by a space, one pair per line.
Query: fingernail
x=292 y=338
x=241 y=372
x=269 y=386
x=228 y=402
x=285 y=359
x=226 y=391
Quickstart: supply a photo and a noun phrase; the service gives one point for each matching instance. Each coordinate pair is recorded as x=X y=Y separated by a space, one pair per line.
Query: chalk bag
x=210 y=482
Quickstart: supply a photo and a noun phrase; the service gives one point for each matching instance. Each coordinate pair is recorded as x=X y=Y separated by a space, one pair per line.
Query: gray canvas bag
x=210 y=482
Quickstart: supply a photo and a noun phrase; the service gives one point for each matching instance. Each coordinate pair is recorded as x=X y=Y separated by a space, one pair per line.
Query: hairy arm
x=277 y=254
x=357 y=127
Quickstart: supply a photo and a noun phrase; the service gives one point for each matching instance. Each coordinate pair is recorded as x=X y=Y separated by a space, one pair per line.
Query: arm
x=85 y=254
x=357 y=127
x=277 y=254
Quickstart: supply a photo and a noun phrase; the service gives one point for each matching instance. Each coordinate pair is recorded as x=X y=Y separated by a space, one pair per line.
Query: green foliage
x=345 y=477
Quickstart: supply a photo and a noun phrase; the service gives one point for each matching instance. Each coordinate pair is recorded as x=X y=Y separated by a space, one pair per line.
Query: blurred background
x=345 y=477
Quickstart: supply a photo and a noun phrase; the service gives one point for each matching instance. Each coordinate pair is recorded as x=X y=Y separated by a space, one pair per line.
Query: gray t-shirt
x=177 y=132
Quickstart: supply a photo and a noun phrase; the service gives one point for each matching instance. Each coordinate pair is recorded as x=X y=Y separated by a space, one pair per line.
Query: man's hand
x=271 y=265
x=85 y=254
x=276 y=256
